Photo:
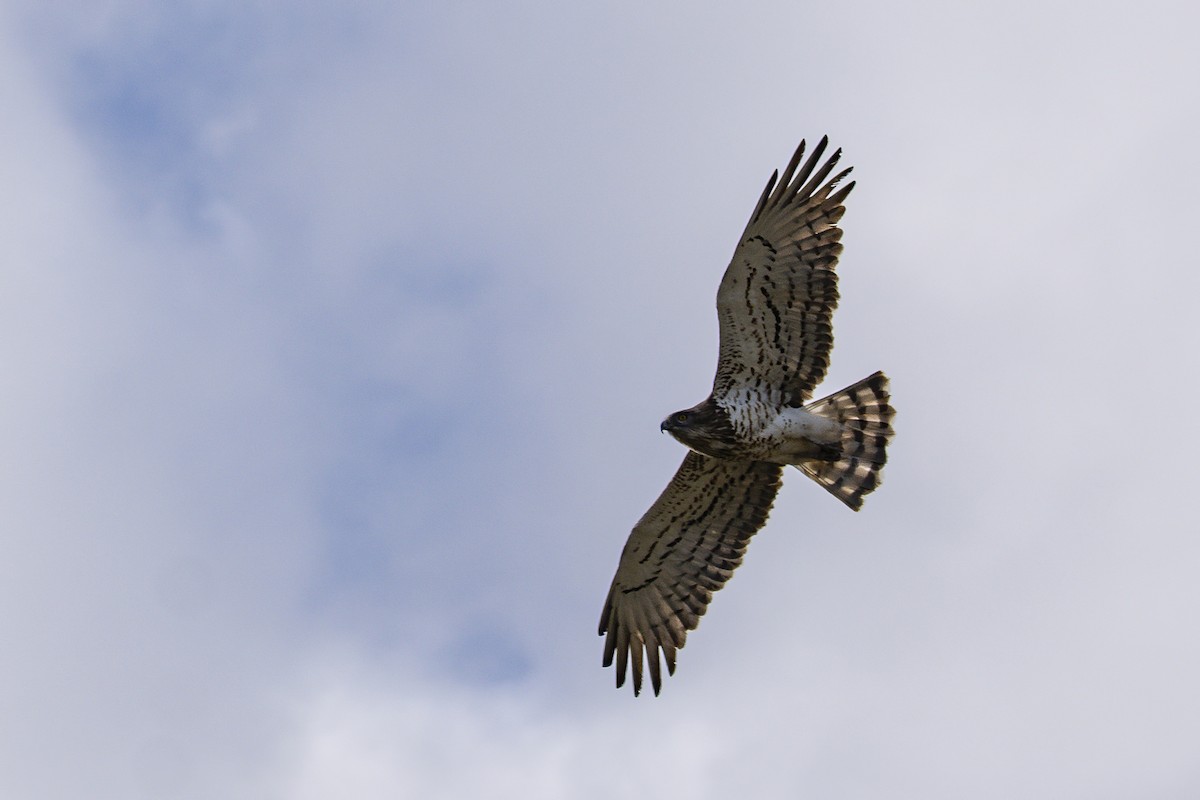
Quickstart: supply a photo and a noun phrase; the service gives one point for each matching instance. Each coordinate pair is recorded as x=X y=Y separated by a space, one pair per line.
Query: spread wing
x=683 y=549
x=776 y=300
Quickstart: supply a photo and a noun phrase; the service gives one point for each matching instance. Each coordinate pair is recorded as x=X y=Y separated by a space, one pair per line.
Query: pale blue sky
x=337 y=337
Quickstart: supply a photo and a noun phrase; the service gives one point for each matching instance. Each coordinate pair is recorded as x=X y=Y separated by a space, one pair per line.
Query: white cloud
x=341 y=361
x=361 y=732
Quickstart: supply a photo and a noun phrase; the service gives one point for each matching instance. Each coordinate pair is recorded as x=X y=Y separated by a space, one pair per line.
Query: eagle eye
x=682 y=416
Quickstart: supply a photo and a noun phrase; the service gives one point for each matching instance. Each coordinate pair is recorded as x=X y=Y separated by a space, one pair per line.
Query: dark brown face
x=678 y=421
x=704 y=428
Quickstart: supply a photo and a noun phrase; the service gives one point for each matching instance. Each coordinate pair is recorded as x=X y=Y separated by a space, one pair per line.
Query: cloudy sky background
x=336 y=336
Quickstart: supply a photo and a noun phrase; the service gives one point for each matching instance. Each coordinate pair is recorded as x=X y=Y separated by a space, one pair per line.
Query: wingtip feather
x=766 y=194
x=841 y=194
x=636 y=652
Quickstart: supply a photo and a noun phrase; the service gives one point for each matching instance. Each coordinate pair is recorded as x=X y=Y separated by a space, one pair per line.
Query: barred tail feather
x=865 y=415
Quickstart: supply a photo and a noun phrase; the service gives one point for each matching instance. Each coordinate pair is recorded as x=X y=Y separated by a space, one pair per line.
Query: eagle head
x=704 y=428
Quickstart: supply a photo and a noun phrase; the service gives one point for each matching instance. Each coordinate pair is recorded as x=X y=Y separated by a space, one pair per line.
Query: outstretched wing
x=777 y=298
x=683 y=549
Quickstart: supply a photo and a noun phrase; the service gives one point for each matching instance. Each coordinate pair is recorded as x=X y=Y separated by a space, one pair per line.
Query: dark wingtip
x=841 y=194
x=765 y=197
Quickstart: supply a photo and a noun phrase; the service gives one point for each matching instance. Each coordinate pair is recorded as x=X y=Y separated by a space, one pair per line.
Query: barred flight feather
x=865 y=414
x=775 y=303
x=712 y=508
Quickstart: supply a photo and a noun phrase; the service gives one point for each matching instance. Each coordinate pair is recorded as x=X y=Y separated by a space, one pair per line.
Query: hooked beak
x=665 y=426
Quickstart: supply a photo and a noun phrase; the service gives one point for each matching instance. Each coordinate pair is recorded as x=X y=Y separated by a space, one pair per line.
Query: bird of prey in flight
x=774 y=306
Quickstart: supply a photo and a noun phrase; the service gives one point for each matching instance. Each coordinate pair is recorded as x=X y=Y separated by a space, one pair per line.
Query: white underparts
x=798 y=432
x=797 y=423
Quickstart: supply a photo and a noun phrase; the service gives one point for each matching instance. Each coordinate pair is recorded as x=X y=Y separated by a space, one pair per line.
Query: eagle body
x=754 y=432
x=775 y=307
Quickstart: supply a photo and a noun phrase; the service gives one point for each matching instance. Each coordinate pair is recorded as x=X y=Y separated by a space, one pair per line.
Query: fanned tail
x=865 y=415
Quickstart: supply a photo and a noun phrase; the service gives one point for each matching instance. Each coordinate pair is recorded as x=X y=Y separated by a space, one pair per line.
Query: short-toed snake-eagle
x=774 y=305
